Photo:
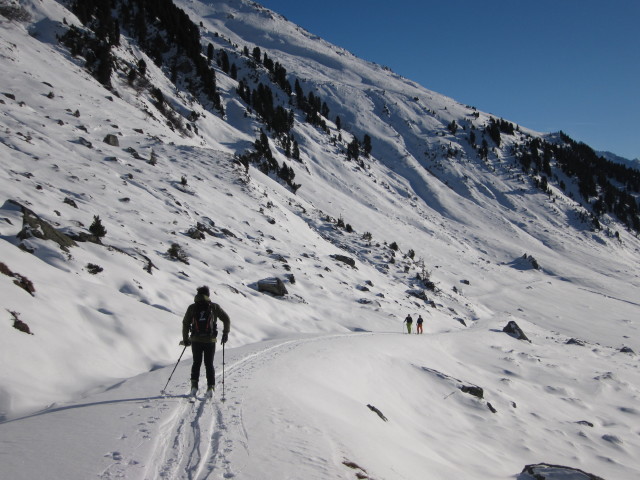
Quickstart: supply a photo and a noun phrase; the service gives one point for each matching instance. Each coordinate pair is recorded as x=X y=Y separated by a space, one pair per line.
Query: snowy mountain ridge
x=427 y=223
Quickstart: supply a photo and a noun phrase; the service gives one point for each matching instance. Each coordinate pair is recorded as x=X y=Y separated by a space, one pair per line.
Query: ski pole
x=174 y=369
x=223 y=399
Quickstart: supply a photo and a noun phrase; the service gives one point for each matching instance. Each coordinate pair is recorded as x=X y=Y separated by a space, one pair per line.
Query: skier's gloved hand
x=225 y=337
x=186 y=343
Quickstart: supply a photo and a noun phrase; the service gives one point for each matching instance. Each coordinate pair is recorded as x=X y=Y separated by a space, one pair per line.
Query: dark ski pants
x=206 y=351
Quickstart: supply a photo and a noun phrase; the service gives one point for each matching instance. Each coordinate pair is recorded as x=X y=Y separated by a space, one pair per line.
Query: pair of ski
x=208 y=397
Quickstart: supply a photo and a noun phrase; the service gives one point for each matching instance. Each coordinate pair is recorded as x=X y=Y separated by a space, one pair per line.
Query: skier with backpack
x=409 y=322
x=419 y=324
x=200 y=331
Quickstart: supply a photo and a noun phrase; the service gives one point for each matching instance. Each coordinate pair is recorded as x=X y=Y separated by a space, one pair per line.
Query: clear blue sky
x=549 y=65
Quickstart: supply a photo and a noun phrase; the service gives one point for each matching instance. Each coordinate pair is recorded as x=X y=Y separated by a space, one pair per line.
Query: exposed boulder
x=526 y=262
x=378 y=412
x=586 y=423
x=111 y=139
x=83 y=141
x=273 y=285
x=344 y=259
x=515 y=331
x=70 y=201
x=545 y=471
x=473 y=390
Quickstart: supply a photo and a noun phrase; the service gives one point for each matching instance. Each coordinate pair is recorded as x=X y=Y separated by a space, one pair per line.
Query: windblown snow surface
x=323 y=382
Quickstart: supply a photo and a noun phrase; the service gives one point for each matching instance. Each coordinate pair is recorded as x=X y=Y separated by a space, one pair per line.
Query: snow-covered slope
x=307 y=407
x=466 y=221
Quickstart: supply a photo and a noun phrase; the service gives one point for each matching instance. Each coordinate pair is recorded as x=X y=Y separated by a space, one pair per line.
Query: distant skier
x=409 y=322
x=200 y=321
x=419 y=324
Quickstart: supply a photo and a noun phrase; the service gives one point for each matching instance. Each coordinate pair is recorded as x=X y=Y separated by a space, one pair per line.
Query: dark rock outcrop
x=111 y=139
x=473 y=390
x=545 y=471
x=375 y=409
x=515 y=331
x=35 y=227
x=274 y=286
x=344 y=259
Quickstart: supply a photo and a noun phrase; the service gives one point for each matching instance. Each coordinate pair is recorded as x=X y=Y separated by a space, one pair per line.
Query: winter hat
x=203 y=291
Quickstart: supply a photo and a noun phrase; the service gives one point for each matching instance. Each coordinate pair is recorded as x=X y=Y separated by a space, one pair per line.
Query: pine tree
x=366 y=145
x=96 y=228
x=353 y=149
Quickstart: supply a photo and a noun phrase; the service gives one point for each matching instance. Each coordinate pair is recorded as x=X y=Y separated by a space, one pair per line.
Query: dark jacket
x=218 y=314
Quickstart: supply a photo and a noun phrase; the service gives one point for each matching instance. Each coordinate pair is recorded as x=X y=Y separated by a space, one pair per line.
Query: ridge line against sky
x=548 y=65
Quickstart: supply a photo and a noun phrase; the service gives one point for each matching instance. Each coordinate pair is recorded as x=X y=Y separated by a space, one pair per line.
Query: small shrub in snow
x=21 y=281
x=19 y=324
x=5 y=270
x=94 y=269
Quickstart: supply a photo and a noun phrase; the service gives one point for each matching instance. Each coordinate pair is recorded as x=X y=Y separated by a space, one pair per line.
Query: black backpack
x=202 y=323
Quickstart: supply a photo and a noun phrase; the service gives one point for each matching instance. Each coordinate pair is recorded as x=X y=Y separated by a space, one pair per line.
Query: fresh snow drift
x=305 y=373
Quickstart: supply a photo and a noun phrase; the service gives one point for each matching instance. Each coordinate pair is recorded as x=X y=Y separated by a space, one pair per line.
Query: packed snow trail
x=127 y=434
x=302 y=408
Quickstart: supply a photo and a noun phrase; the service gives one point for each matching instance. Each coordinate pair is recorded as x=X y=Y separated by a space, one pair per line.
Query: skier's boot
x=210 y=391
x=194 y=389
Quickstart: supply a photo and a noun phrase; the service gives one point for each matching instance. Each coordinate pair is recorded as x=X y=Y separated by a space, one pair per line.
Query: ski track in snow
x=205 y=439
